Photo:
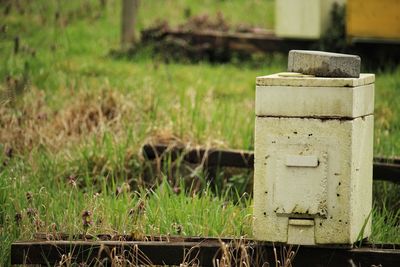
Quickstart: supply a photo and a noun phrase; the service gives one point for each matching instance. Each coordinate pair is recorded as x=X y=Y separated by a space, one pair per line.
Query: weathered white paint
x=313 y=174
x=318 y=97
x=336 y=194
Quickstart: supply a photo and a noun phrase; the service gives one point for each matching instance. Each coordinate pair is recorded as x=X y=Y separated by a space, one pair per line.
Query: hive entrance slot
x=301 y=221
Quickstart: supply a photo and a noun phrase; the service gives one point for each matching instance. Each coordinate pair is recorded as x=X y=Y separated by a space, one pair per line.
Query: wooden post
x=129 y=11
x=103 y=3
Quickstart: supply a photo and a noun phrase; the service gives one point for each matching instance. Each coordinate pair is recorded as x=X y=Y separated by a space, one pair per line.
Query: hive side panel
x=363 y=100
x=362 y=163
x=335 y=228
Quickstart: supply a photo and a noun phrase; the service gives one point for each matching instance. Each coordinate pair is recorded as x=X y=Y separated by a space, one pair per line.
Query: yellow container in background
x=373 y=19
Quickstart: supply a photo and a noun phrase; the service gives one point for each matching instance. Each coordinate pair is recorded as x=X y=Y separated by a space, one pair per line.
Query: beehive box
x=313 y=159
x=303 y=19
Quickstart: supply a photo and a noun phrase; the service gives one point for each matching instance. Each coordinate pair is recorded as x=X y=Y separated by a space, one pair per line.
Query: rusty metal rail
x=203 y=42
x=203 y=251
x=265 y=41
x=383 y=169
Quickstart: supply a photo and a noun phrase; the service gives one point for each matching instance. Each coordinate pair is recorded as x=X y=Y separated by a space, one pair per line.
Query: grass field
x=73 y=119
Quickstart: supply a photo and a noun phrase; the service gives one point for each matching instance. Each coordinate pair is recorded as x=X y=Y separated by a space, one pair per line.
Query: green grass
x=83 y=115
x=382 y=227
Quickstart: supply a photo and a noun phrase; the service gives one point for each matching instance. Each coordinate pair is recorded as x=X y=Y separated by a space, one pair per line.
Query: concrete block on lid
x=324 y=64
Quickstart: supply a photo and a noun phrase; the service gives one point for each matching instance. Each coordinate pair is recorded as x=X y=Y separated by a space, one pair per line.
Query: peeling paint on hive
x=333 y=192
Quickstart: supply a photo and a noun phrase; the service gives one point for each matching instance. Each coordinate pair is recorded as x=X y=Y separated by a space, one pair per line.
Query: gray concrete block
x=324 y=64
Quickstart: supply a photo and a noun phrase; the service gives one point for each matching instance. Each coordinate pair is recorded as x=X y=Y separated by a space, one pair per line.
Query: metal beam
x=203 y=251
x=385 y=169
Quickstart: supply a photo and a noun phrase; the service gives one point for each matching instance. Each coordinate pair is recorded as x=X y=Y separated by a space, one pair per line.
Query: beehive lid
x=298 y=95
x=301 y=80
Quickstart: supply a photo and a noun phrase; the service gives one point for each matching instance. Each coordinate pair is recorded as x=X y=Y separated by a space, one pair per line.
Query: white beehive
x=313 y=159
x=304 y=19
